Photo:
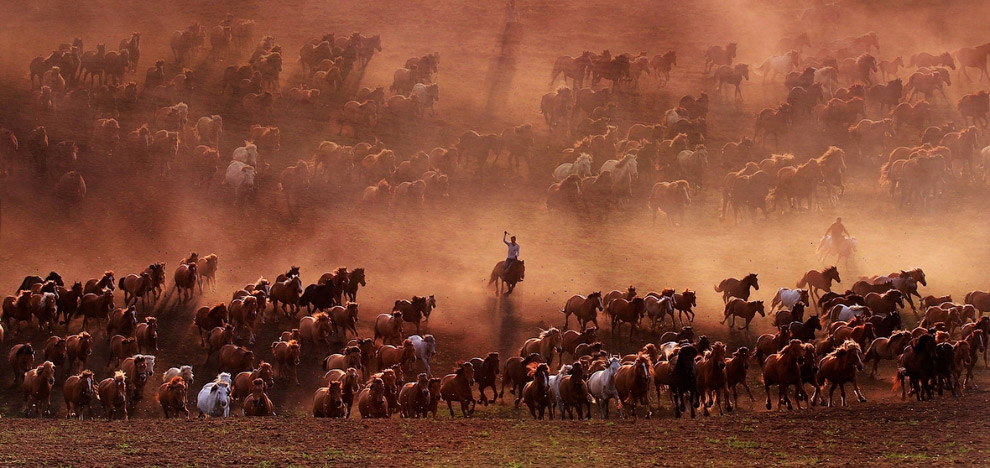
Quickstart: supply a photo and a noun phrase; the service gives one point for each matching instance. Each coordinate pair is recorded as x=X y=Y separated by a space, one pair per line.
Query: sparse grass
x=916 y=457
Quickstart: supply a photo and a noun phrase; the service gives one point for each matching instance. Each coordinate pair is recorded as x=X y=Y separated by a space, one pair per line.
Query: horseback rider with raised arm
x=837 y=231
x=513 y=254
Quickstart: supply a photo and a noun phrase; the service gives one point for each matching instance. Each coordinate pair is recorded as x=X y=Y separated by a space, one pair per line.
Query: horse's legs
x=766 y=387
x=857 y=391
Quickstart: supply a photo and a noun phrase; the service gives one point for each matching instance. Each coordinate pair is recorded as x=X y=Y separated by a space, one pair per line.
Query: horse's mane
x=545 y=333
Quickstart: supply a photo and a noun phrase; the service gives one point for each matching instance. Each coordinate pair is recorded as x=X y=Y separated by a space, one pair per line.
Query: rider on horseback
x=837 y=231
x=513 y=250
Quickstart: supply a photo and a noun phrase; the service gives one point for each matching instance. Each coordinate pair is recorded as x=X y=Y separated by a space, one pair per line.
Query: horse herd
x=826 y=350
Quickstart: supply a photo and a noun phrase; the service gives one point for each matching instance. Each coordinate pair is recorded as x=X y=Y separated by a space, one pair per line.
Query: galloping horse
x=732 y=287
x=500 y=277
x=818 y=281
x=584 y=309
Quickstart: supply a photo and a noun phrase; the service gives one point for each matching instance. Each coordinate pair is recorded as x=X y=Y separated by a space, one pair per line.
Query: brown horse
x=21 y=359
x=546 y=344
x=137 y=370
x=218 y=338
x=371 y=400
x=56 y=352
x=286 y=359
x=243 y=381
x=837 y=368
x=570 y=340
x=96 y=306
x=121 y=347
x=78 y=347
x=388 y=327
x=316 y=329
x=784 y=369
x=631 y=312
x=818 y=281
x=536 y=393
x=980 y=300
x=328 y=402
x=632 y=382
x=683 y=302
x=574 y=393
x=208 y=318
x=350 y=385
x=122 y=322
x=415 y=310
x=414 y=398
x=172 y=397
x=234 y=359
x=344 y=318
x=735 y=373
x=500 y=277
x=486 y=374
x=147 y=335
x=38 y=384
x=737 y=307
x=113 y=395
x=516 y=375
x=351 y=357
x=457 y=387
x=404 y=356
x=732 y=287
x=288 y=293
x=99 y=285
x=185 y=277
x=584 y=309
x=257 y=402
x=243 y=313
x=712 y=379
x=885 y=303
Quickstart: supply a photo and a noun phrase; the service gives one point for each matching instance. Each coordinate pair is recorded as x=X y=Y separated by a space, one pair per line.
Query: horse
x=886 y=324
x=68 y=301
x=536 y=393
x=546 y=344
x=581 y=167
x=573 y=393
x=257 y=402
x=601 y=384
x=457 y=387
x=732 y=287
x=288 y=293
x=743 y=309
x=415 y=310
x=820 y=280
x=404 y=355
x=208 y=318
x=286 y=359
x=917 y=364
x=805 y=330
x=732 y=75
x=99 y=285
x=779 y=65
x=658 y=306
x=839 y=367
x=213 y=400
x=112 y=393
x=886 y=348
x=500 y=277
x=388 y=327
x=692 y=165
x=630 y=311
x=185 y=278
x=624 y=173
x=717 y=56
x=33 y=280
x=414 y=398
x=172 y=397
x=37 y=385
x=122 y=321
x=426 y=348
x=96 y=306
x=243 y=313
x=584 y=309
x=632 y=384
x=735 y=372
x=711 y=385
x=120 y=348
x=516 y=375
x=344 y=318
x=234 y=359
x=788 y=298
x=783 y=369
x=485 y=374
x=136 y=287
x=683 y=302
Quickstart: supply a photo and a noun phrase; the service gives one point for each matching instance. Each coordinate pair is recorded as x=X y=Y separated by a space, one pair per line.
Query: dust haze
x=448 y=247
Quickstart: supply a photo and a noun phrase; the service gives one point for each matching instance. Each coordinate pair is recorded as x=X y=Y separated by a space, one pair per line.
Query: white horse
x=554 y=382
x=829 y=79
x=843 y=250
x=844 y=313
x=247 y=154
x=428 y=95
x=240 y=178
x=601 y=384
x=214 y=399
x=624 y=173
x=786 y=298
x=692 y=165
x=779 y=65
x=657 y=307
x=426 y=347
x=581 y=166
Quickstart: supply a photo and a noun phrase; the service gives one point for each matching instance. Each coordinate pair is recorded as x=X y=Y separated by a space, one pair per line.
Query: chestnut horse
x=172 y=397
x=735 y=373
x=388 y=327
x=584 y=309
x=632 y=383
x=838 y=368
x=414 y=398
x=258 y=403
x=732 y=287
x=784 y=369
x=737 y=307
x=414 y=311
x=404 y=356
x=631 y=312
x=500 y=277
x=818 y=281
x=683 y=302
x=328 y=402
x=208 y=318
x=79 y=393
x=457 y=387
x=574 y=393
x=38 y=384
x=113 y=395
x=516 y=375
x=712 y=379
x=185 y=278
x=536 y=393
x=371 y=400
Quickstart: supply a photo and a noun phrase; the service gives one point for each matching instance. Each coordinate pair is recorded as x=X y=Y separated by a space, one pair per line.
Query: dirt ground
x=447 y=248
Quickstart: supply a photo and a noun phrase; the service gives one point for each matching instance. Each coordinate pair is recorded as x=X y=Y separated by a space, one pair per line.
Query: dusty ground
x=447 y=248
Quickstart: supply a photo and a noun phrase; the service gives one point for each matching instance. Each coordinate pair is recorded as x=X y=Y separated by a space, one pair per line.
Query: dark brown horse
x=584 y=309
x=737 y=307
x=574 y=393
x=732 y=287
x=631 y=312
x=486 y=375
x=415 y=310
x=632 y=382
x=500 y=277
x=516 y=375
x=457 y=387
x=537 y=393
x=784 y=369
x=683 y=302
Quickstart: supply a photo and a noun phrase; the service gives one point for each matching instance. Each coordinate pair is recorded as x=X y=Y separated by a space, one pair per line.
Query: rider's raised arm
x=504 y=235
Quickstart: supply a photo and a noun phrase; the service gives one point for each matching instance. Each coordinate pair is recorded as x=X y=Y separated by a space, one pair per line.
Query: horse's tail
x=719 y=287
x=803 y=282
x=871 y=352
x=120 y=283
x=726 y=312
x=968 y=298
x=776 y=300
x=494 y=276
x=898 y=382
